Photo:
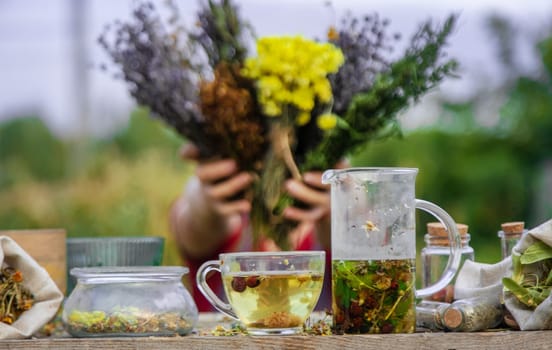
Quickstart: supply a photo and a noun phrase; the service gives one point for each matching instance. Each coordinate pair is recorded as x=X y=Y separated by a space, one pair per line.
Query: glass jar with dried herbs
x=129 y=301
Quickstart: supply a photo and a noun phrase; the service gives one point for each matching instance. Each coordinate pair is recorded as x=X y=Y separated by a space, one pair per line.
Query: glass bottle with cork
x=463 y=315
x=473 y=314
x=509 y=236
x=429 y=314
x=435 y=256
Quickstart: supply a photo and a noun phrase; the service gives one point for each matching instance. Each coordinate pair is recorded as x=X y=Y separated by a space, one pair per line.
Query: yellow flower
x=323 y=90
x=303 y=118
x=303 y=99
x=333 y=34
x=272 y=109
x=327 y=121
x=292 y=71
x=269 y=85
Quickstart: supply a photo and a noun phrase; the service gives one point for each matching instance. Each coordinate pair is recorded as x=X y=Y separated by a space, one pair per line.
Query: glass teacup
x=269 y=292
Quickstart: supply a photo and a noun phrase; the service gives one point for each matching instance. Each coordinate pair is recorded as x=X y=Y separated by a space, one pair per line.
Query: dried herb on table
x=319 y=327
x=15 y=298
x=129 y=320
x=221 y=331
x=373 y=296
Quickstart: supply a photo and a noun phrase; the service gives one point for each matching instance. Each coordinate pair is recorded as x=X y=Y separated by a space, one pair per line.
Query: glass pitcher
x=374 y=249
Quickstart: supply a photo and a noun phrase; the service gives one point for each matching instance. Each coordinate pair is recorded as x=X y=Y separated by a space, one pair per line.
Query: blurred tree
x=28 y=150
x=144 y=132
x=123 y=188
x=475 y=177
x=527 y=114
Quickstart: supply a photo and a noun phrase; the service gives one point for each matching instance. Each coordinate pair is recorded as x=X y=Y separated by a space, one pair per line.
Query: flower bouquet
x=294 y=105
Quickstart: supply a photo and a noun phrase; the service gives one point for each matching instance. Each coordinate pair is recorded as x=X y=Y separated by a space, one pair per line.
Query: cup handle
x=455 y=245
x=201 y=280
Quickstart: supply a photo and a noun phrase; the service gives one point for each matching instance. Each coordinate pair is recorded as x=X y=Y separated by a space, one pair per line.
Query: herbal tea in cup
x=269 y=292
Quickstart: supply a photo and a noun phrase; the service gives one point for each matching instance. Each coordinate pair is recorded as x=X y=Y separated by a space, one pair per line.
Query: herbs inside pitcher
x=373 y=296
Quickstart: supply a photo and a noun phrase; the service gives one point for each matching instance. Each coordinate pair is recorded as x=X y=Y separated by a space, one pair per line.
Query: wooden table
x=500 y=340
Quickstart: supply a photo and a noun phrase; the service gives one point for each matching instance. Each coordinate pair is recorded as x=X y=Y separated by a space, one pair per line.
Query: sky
x=41 y=43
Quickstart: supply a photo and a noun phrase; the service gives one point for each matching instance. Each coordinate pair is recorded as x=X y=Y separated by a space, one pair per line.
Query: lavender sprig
x=364 y=43
x=159 y=76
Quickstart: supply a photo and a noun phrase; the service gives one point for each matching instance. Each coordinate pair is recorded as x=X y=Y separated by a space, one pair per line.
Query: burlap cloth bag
x=476 y=279
x=47 y=296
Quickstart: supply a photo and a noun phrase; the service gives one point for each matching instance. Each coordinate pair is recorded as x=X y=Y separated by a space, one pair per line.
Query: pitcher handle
x=455 y=245
x=201 y=279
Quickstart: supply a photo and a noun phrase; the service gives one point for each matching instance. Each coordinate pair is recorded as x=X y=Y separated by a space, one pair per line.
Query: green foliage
x=144 y=133
x=481 y=177
x=545 y=49
x=528 y=113
x=372 y=114
x=531 y=282
x=123 y=188
x=476 y=177
x=29 y=150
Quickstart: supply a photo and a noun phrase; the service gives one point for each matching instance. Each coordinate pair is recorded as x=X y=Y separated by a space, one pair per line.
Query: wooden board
x=500 y=340
x=496 y=339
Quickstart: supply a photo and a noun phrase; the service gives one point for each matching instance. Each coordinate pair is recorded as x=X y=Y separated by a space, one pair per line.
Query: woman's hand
x=311 y=192
x=209 y=209
x=222 y=183
x=316 y=197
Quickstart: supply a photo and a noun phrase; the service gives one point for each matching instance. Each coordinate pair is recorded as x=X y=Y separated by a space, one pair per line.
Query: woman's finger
x=228 y=208
x=216 y=171
x=189 y=151
x=230 y=187
x=314 y=179
x=307 y=194
x=302 y=215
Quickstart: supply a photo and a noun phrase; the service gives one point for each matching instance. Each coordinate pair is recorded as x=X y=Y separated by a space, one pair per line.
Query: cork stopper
x=437 y=229
x=453 y=318
x=513 y=228
x=438 y=235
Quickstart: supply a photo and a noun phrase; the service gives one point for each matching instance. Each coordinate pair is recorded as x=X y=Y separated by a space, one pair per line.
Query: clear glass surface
x=373 y=229
x=129 y=301
x=269 y=292
x=434 y=259
x=508 y=241
x=112 y=251
x=372 y=213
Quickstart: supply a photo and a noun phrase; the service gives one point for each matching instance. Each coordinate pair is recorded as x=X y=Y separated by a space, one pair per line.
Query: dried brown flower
x=232 y=117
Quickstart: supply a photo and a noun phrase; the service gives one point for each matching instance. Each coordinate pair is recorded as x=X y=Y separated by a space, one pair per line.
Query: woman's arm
x=206 y=213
